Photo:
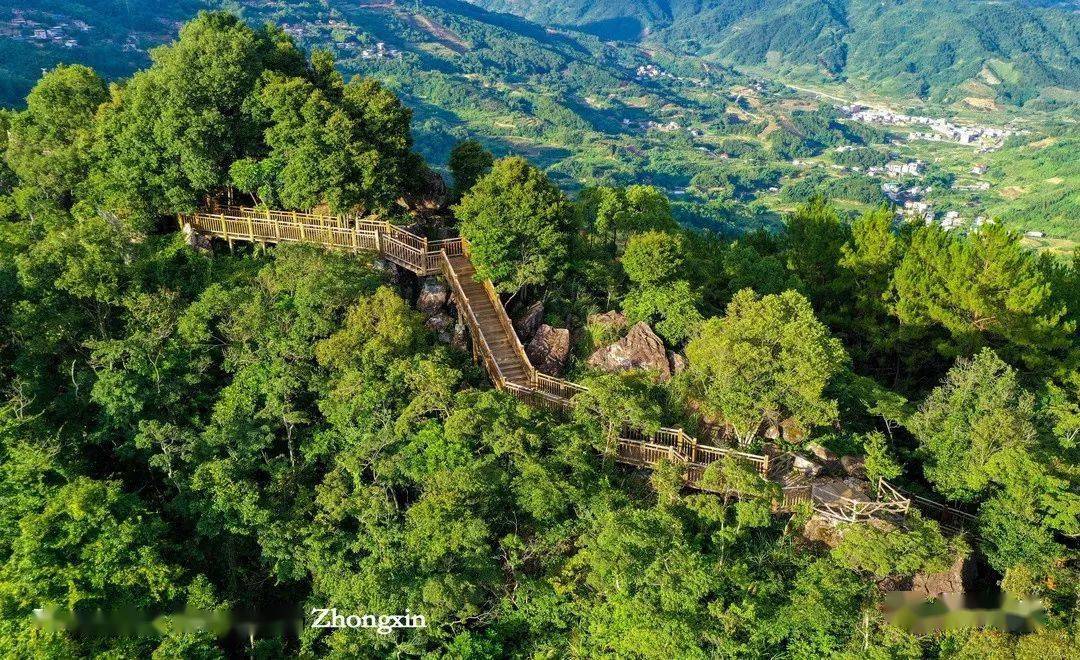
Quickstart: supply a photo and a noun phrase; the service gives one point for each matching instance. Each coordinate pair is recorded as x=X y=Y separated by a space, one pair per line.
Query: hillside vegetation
x=1012 y=51
x=203 y=444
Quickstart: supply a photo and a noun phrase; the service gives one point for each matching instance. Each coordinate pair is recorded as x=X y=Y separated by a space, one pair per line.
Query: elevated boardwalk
x=497 y=346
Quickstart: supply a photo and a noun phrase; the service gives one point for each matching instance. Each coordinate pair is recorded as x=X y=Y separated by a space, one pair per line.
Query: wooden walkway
x=488 y=319
x=497 y=346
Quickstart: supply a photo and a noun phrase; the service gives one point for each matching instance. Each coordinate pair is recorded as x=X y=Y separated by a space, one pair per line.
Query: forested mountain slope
x=1011 y=51
x=113 y=36
x=205 y=435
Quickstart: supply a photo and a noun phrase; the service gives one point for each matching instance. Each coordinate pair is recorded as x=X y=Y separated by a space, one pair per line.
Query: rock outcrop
x=460 y=339
x=427 y=191
x=951 y=581
x=389 y=270
x=529 y=322
x=614 y=320
x=434 y=294
x=442 y=324
x=639 y=349
x=677 y=362
x=196 y=240
x=549 y=349
x=820 y=529
x=787 y=429
x=854 y=466
x=821 y=452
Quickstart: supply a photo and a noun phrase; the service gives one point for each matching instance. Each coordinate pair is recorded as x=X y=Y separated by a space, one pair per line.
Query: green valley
x=731 y=147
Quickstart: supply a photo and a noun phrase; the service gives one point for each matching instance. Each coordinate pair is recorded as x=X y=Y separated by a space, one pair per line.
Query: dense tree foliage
x=985 y=290
x=517 y=224
x=469 y=162
x=767 y=357
x=226 y=99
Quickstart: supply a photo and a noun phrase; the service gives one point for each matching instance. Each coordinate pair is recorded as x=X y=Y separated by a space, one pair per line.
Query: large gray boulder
x=549 y=349
x=819 y=529
x=196 y=240
x=950 y=581
x=461 y=338
x=641 y=348
x=427 y=191
x=388 y=269
x=854 y=466
x=529 y=322
x=434 y=294
x=442 y=324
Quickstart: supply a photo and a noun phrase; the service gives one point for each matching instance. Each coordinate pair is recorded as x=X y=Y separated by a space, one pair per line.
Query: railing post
x=765 y=466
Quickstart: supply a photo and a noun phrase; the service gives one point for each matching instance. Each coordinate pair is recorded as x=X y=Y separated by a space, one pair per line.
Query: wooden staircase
x=497 y=347
x=503 y=345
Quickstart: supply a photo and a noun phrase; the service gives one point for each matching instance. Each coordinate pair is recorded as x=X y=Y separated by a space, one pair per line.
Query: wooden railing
x=675 y=446
x=295 y=217
x=846 y=509
x=425 y=257
x=793 y=496
x=345 y=233
x=508 y=328
x=480 y=342
x=557 y=387
x=950 y=518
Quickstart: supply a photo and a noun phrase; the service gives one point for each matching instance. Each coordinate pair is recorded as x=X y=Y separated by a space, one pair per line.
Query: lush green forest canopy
x=590 y=111
x=267 y=431
x=1013 y=51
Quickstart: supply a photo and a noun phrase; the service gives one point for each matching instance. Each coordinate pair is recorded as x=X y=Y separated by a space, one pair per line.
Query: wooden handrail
x=489 y=356
x=426 y=257
x=508 y=327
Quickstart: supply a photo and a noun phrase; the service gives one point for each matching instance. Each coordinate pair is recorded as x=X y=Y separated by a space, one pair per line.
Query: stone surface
x=639 y=349
x=677 y=362
x=434 y=294
x=428 y=193
x=614 y=319
x=529 y=322
x=442 y=324
x=820 y=529
x=821 y=452
x=792 y=432
x=807 y=466
x=854 y=466
x=197 y=240
x=549 y=349
x=836 y=489
x=460 y=339
x=387 y=268
x=951 y=581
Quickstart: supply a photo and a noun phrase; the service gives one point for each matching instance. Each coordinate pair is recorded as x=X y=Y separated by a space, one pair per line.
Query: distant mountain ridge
x=1009 y=51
